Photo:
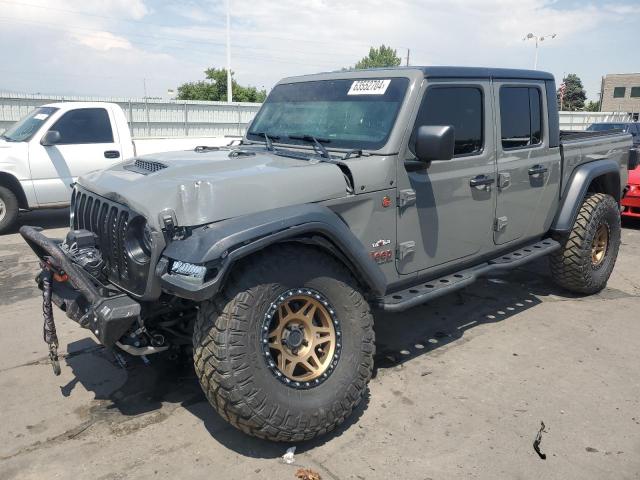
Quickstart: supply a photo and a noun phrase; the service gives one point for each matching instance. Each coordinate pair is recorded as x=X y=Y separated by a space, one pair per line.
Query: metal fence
x=157 y=118
x=581 y=120
x=147 y=117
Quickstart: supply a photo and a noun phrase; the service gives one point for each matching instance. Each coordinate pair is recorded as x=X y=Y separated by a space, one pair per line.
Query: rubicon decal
x=380 y=243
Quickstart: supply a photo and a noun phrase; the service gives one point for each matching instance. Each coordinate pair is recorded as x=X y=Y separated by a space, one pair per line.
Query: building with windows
x=620 y=92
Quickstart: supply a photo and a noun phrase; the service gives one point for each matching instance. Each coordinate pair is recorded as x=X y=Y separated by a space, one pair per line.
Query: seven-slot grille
x=109 y=221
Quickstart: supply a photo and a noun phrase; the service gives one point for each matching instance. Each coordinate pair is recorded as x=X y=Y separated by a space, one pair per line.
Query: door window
x=460 y=107
x=520 y=117
x=84 y=125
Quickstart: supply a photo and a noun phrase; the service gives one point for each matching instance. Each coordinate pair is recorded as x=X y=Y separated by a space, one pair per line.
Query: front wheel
x=589 y=251
x=286 y=351
x=8 y=210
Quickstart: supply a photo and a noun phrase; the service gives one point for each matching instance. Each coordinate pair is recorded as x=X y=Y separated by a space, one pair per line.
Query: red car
x=631 y=201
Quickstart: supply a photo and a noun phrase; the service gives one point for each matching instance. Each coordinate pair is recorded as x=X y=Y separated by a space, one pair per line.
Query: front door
x=528 y=170
x=86 y=143
x=452 y=214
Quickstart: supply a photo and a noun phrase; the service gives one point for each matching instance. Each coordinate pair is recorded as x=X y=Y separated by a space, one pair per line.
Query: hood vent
x=145 y=167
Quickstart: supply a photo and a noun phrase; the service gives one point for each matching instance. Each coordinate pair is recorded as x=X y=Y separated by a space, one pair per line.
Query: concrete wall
x=581 y=120
x=149 y=118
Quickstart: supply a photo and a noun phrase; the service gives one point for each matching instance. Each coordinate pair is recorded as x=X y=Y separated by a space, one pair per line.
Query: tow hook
x=49 y=327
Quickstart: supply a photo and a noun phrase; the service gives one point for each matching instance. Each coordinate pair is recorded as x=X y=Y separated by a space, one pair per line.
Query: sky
x=120 y=47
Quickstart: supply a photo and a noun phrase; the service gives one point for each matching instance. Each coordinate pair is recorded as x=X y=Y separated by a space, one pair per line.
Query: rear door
x=87 y=143
x=528 y=170
x=445 y=217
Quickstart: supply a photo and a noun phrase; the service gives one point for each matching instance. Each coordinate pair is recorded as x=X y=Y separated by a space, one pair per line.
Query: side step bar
x=427 y=291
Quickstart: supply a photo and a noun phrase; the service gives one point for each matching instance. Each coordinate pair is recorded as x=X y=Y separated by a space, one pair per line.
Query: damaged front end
x=101 y=276
x=104 y=310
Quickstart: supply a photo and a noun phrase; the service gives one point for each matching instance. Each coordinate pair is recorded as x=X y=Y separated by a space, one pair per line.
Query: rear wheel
x=8 y=210
x=589 y=251
x=286 y=351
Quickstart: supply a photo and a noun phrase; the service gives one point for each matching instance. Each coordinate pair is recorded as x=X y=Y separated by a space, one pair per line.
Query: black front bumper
x=108 y=313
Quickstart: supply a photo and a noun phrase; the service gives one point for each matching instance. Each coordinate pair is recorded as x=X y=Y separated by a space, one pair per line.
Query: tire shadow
x=166 y=383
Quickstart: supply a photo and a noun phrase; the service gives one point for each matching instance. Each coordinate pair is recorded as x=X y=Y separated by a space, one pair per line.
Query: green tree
x=214 y=89
x=593 y=106
x=574 y=94
x=379 y=57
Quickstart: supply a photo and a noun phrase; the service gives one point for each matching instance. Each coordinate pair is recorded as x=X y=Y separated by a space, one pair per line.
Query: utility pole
x=408 y=54
x=229 y=85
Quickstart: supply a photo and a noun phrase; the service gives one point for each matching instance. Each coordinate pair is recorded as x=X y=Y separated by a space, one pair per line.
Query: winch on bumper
x=108 y=313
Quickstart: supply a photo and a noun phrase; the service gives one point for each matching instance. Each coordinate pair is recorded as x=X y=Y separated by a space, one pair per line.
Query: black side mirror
x=50 y=138
x=435 y=142
x=634 y=158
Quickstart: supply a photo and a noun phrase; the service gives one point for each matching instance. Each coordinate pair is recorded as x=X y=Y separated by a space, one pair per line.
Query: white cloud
x=102 y=41
x=271 y=39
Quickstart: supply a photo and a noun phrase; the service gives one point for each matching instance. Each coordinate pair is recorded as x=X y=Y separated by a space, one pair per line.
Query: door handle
x=537 y=170
x=481 y=182
x=112 y=154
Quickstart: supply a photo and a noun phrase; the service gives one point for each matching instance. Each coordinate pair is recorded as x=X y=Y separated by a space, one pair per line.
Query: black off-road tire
x=230 y=362
x=8 y=210
x=571 y=266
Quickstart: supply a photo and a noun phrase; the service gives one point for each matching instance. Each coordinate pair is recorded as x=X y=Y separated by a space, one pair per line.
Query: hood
x=8 y=146
x=205 y=187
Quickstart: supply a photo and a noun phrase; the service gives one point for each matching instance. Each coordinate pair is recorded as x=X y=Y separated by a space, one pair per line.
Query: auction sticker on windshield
x=369 y=87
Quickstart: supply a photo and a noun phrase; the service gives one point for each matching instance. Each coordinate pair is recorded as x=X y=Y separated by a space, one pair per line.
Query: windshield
x=601 y=127
x=24 y=129
x=354 y=114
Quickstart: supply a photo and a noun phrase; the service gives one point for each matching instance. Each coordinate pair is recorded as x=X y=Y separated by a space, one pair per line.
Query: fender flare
x=577 y=188
x=228 y=241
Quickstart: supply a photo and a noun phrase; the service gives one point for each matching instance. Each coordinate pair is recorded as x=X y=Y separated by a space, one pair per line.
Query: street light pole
x=229 y=85
x=540 y=38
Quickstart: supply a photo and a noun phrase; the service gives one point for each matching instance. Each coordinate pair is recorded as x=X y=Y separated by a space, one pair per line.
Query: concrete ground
x=461 y=388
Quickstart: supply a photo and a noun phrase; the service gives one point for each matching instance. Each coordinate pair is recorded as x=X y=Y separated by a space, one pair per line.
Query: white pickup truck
x=45 y=152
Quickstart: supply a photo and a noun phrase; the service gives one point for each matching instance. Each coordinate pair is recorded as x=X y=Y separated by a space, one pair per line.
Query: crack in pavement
x=45 y=360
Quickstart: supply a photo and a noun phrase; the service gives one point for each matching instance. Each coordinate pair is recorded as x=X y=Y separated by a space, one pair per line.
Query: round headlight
x=147 y=239
x=139 y=240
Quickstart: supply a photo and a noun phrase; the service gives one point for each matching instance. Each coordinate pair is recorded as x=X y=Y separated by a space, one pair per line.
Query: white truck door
x=87 y=142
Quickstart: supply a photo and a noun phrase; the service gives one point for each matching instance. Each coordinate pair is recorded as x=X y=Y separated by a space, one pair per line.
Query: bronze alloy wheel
x=301 y=338
x=599 y=245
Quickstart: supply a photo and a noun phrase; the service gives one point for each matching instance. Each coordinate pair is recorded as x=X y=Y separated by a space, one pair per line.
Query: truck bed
x=577 y=148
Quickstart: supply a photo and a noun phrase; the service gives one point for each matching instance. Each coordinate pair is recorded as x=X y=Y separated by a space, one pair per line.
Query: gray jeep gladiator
x=350 y=192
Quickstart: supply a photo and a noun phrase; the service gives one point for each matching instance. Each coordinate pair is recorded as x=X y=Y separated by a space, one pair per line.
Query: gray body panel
x=444 y=196
x=451 y=223
x=527 y=204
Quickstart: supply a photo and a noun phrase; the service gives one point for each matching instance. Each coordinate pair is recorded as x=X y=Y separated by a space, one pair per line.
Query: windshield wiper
x=8 y=139
x=317 y=143
x=358 y=152
x=268 y=138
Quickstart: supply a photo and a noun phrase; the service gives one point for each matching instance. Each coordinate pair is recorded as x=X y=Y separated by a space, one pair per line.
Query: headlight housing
x=139 y=240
